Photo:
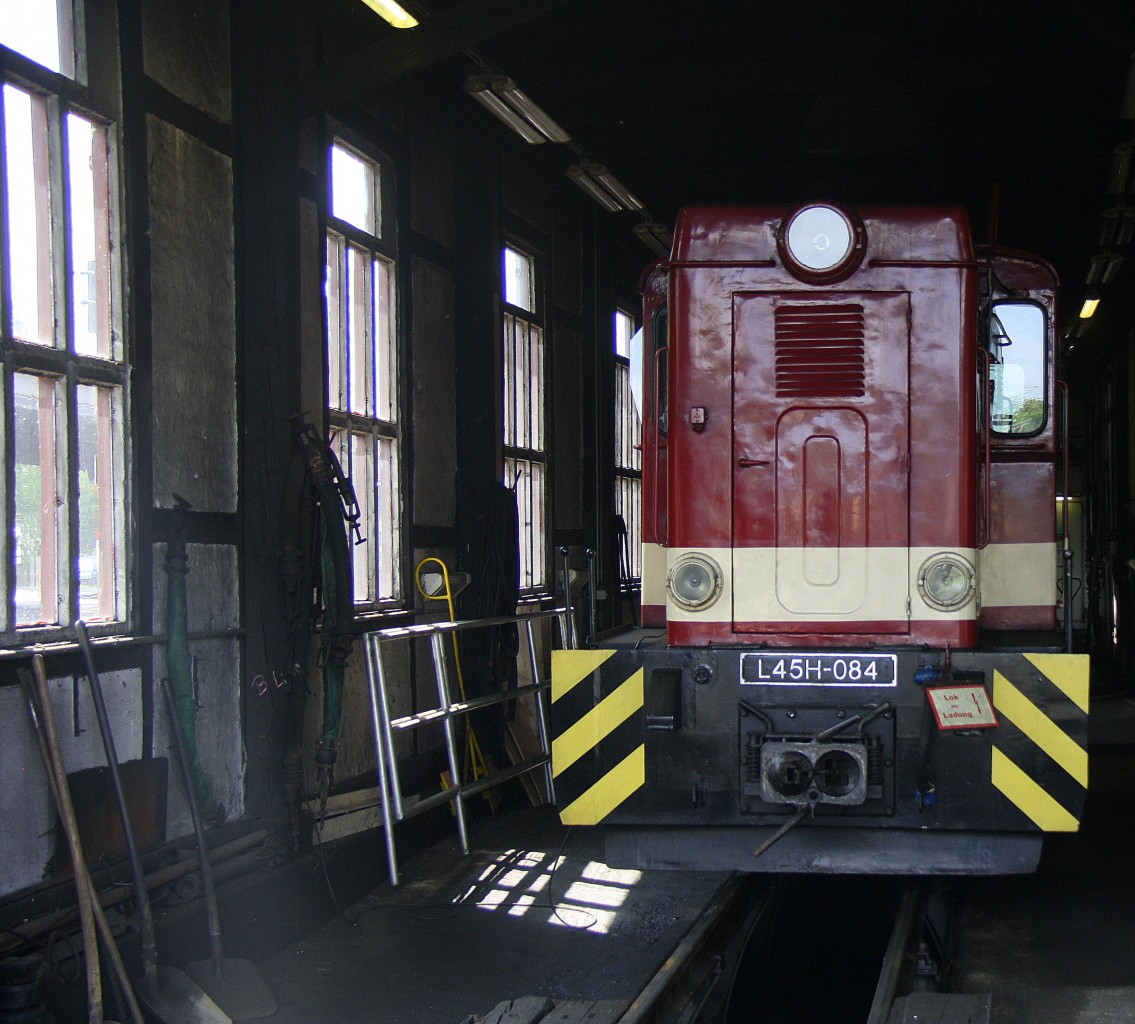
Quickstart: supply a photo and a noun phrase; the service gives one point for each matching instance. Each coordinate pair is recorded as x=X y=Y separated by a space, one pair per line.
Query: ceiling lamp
x=499 y=94
x=656 y=237
x=1103 y=268
x=1120 y=166
x=603 y=187
x=1087 y=311
x=392 y=13
x=1125 y=229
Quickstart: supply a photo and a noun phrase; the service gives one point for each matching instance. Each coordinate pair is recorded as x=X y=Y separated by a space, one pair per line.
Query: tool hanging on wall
x=322 y=514
x=441 y=586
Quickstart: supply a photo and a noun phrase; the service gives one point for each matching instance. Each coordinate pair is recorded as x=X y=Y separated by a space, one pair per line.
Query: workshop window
x=524 y=445
x=628 y=454
x=362 y=366
x=64 y=402
x=42 y=31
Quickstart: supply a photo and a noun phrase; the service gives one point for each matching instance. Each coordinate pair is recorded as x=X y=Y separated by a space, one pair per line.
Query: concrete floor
x=1059 y=945
x=461 y=935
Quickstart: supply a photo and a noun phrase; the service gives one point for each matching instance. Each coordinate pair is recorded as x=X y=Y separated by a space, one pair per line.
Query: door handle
x=743 y=461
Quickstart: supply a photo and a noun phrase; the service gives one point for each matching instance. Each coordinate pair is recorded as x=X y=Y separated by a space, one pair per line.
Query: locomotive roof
x=737 y=234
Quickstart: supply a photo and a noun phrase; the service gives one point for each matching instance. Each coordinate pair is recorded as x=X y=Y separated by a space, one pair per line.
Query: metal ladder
x=395 y=806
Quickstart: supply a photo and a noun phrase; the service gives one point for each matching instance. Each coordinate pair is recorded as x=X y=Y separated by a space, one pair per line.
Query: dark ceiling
x=854 y=102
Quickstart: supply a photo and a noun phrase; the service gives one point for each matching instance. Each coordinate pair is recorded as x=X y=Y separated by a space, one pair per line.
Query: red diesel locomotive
x=849 y=658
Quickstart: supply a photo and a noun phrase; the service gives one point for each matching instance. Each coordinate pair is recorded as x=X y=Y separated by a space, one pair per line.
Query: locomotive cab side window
x=1017 y=334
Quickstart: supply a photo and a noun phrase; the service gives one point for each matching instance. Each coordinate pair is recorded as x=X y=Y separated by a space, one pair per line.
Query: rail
x=395 y=807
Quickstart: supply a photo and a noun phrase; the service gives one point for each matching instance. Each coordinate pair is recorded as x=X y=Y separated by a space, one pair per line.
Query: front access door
x=820 y=462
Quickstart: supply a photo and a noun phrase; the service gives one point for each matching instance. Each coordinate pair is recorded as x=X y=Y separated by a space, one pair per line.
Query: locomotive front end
x=824 y=484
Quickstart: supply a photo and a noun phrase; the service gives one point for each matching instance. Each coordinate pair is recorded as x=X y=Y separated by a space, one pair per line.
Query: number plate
x=819 y=669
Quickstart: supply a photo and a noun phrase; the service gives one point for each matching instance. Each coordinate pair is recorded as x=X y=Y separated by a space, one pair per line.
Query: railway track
x=710 y=977
x=779 y=949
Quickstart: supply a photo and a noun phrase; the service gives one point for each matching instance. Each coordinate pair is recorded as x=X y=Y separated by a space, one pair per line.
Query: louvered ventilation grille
x=819 y=351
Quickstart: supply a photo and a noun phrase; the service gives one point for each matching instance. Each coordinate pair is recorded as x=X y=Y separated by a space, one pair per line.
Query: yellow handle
x=477 y=759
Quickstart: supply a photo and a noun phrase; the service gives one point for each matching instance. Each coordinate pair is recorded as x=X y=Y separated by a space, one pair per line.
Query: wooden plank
x=515 y=756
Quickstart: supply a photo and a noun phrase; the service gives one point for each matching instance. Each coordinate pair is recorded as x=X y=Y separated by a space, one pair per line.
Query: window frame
x=57 y=356
x=385 y=562
x=1042 y=366
x=534 y=508
x=627 y=448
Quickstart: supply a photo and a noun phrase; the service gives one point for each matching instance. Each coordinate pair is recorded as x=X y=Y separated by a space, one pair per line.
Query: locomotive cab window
x=1017 y=372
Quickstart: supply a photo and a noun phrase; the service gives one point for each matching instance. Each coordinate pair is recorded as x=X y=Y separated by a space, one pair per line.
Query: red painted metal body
x=821 y=439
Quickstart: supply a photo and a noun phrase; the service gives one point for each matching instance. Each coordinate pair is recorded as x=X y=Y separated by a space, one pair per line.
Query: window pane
x=382 y=275
x=100 y=502
x=360 y=361
x=628 y=423
x=536 y=389
x=40 y=511
x=34 y=29
x=335 y=286
x=353 y=452
x=353 y=190
x=624 y=329
x=628 y=505
x=508 y=359
x=388 y=519
x=523 y=359
x=519 y=287
x=372 y=467
x=527 y=478
x=90 y=236
x=1017 y=373
x=29 y=216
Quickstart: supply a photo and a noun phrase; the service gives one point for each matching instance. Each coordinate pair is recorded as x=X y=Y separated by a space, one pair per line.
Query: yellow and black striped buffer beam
x=598 y=733
x=1040 y=753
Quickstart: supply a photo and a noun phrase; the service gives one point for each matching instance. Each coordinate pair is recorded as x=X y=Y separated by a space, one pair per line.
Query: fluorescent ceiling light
x=656 y=237
x=506 y=88
x=1089 y=308
x=603 y=187
x=663 y=234
x=393 y=13
x=651 y=240
x=614 y=186
x=499 y=94
x=1120 y=166
x=578 y=174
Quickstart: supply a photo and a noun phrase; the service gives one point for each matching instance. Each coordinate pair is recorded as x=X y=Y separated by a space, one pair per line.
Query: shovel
x=170 y=995
x=91 y=914
x=235 y=984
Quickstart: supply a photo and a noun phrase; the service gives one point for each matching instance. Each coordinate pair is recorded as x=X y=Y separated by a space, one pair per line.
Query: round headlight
x=821 y=241
x=695 y=581
x=946 y=581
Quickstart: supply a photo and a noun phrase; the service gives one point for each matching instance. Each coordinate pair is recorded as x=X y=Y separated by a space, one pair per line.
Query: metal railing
x=394 y=805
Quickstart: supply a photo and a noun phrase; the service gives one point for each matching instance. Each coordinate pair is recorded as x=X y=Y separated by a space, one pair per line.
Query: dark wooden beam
x=467 y=23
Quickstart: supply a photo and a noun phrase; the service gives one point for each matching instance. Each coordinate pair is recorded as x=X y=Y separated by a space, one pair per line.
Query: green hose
x=334 y=668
